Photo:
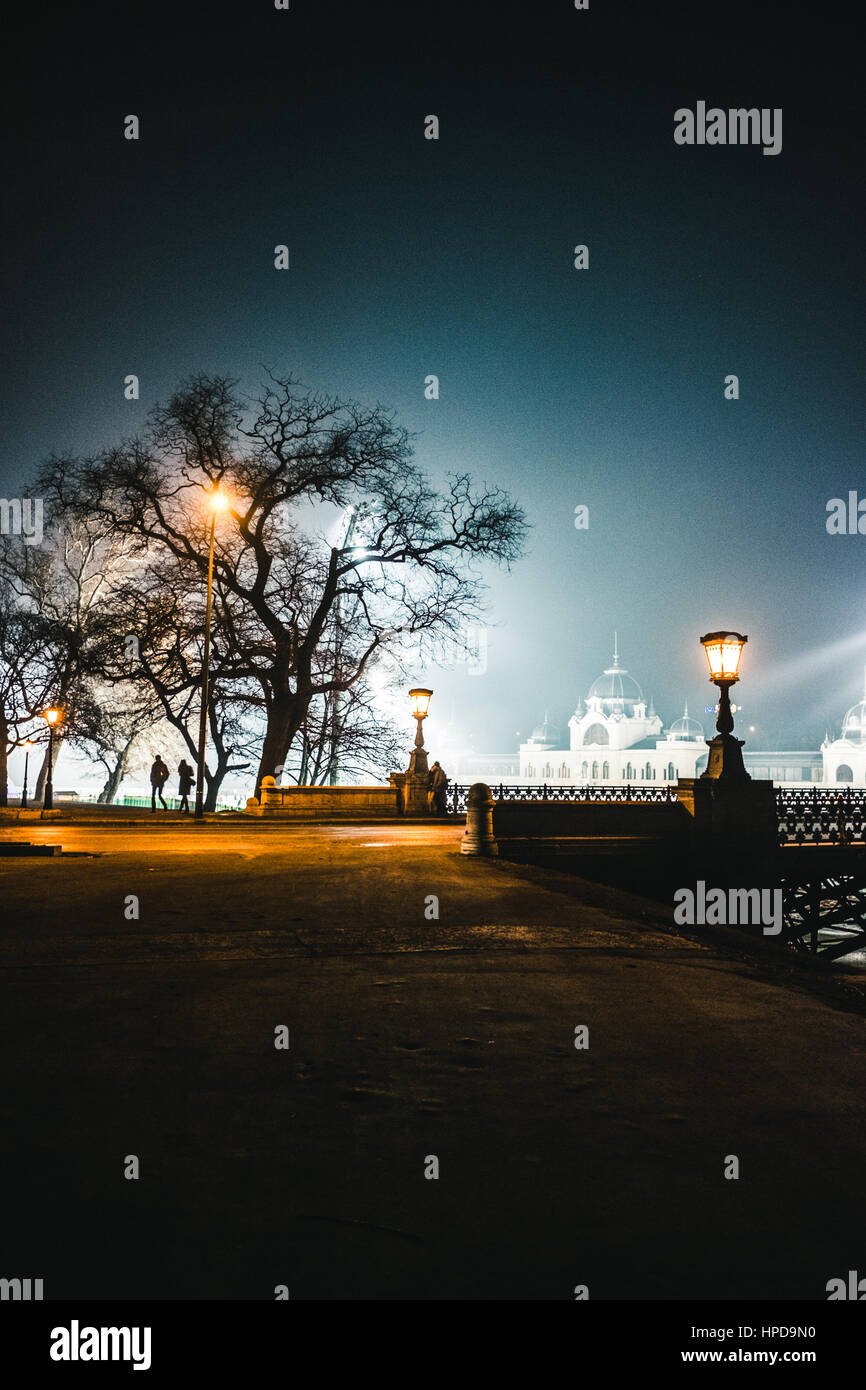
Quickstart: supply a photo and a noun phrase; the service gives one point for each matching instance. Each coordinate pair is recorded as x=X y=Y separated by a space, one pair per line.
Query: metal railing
x=821 y=816
x=458 y=793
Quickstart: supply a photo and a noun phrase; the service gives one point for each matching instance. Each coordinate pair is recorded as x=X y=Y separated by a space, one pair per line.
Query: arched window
x=530 y=770
x=844 y=773
x=548 y=770
x=584 y=768
x=596 y=733
x=595 y=770
x=605 y=771
x=564 y=772
x=629 y=771
x=649 y=771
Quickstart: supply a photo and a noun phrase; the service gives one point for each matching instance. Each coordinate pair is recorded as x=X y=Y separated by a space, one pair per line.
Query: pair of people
x=159 y=776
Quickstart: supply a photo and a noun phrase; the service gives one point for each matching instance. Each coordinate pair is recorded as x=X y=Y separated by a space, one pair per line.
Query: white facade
x=615 y=739
x=844 y=758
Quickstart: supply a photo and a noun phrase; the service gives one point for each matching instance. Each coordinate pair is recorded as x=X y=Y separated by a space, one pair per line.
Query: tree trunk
x=39 y=790
x=213 y=782
x=113 y=780
x=4 y=760
x=285 y=718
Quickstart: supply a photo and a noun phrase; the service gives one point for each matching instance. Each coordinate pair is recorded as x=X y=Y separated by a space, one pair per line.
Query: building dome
x=545 y=735
x=686 y=730
x=616 y=689
x=854 y=724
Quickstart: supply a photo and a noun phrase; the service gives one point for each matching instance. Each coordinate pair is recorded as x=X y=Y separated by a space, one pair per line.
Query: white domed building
x=615 y=739
x=844 y=758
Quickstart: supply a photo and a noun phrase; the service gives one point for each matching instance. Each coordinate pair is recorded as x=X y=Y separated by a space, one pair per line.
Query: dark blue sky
x=454 y=257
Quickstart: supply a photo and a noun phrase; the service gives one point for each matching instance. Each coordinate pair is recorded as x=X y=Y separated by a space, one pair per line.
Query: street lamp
x=724 y=650
x=27 y=745
x=420 y=699
x=354 y=514
x=216 y=502
x=52 y=719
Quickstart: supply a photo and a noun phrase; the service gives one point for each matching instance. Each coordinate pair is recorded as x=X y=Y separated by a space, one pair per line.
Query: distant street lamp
x=724 y=650
x=27 y=745
x=216 y=502
x=52 y=719
x=354 y=514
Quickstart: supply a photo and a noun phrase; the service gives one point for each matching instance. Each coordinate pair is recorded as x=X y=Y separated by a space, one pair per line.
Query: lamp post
x=354 y=514
x=52 y=719
x=413 y=783
x=217 y=502
x=724 y=650
x=27 y=745
x=420 y=705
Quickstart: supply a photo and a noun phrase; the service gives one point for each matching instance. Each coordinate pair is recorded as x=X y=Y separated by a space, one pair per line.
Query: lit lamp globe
x=420 y=702
x=724 y=650
x=217 y=500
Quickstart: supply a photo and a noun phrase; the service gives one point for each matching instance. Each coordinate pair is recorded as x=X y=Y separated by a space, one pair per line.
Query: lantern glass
x=420 y=702
x=51 y=716
x=724 y=650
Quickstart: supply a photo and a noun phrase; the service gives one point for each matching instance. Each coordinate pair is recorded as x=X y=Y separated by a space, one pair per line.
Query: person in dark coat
x=158 y=779
x=438 y=786
x=186 y=777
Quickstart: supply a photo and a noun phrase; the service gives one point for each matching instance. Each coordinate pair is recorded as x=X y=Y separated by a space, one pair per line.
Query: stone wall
x=323 y=803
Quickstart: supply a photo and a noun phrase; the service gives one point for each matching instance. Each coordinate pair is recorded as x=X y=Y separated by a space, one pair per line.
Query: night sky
x=455 y=257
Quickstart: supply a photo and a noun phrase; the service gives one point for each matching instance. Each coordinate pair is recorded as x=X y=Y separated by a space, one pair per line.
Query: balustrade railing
x=811 y=816
x=458 y=793
x=821 y=816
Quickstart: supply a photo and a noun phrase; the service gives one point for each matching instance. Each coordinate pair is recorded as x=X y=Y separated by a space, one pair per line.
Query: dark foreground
x=410 y=1037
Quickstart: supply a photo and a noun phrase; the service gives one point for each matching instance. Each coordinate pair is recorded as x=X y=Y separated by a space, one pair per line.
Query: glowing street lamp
x=52 y=718
x=420 y=700
x=27 y=745
x=724 y=650
x=216 y=502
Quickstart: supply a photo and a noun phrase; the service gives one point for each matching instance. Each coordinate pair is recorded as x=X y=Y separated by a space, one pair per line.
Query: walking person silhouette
x=158 y=779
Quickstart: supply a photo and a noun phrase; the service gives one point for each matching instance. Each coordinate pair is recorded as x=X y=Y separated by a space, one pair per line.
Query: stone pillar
x=412 y=792
x=269 y=795
x=478 y=835
x=735 y=837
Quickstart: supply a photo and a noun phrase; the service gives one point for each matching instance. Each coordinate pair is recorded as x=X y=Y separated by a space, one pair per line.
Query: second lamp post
x=217 y=502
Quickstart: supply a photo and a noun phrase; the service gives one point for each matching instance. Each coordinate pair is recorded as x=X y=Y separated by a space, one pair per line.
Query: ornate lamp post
x=413 y=783
x=724 y=650
x=217 y=502
x=420 y=705
x=52 y=719
x=27 y=745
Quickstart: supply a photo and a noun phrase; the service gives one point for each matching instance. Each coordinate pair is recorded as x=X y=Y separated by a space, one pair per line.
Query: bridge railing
x=459 y=791
x=821 y=816
x=811 y=816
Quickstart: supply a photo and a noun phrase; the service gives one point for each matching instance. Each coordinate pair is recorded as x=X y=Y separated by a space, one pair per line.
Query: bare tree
x=412 y=567
x=26 y=677
x=58 y=590
x=358 y=740
x=112 y=726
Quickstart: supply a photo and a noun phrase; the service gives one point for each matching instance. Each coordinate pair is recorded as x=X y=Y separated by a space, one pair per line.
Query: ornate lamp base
x=726 y=759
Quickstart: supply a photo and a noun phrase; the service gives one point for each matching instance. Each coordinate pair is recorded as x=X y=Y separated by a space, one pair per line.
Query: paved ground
x=409 y=1037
